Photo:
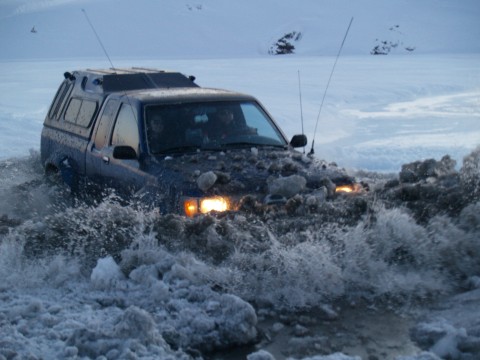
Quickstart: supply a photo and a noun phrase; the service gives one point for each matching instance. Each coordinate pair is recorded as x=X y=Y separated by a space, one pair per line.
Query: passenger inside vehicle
x=225 y=124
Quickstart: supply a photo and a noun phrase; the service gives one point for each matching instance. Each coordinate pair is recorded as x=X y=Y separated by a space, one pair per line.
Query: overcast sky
x=232 y=28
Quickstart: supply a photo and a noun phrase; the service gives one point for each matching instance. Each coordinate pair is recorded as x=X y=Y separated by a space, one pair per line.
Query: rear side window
x=125 y=131
x=72 y=110
x=81 y=112
x=60 y=98
x=87 y=112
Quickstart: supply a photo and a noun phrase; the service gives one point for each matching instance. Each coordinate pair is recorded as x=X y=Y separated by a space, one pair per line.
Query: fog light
x=194 y=206
x=190 y=207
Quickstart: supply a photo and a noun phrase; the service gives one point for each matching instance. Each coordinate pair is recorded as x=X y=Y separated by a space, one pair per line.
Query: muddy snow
x=391 y=273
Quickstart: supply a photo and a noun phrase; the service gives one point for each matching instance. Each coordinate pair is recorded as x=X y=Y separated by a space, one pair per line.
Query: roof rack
x=135 y=78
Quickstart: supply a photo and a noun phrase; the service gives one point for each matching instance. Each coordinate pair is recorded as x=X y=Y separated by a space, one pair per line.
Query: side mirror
x=298 y=141
x=124 y=152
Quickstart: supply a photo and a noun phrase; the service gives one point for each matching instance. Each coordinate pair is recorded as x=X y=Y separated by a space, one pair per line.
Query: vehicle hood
x=257 y=171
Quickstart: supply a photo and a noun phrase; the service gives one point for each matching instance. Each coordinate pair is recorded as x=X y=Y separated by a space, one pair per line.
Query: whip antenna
x=98 y=38
x=105 y=50
x=301 y=107
x=328 y=84
x=110 y=61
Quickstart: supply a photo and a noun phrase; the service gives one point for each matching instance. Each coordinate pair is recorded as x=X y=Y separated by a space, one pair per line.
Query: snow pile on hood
x=258 y=172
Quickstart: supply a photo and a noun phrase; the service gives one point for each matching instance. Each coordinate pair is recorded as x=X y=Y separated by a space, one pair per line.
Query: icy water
x=100 y=278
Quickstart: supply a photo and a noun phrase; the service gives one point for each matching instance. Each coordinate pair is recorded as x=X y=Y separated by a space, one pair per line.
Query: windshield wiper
x=180 y=149
x=250 y=144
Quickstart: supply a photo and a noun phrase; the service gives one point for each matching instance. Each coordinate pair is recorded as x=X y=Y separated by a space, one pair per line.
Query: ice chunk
x=336 y=356
x=314 y=200
x=206 y=180
x=327 y=312
x=70 y=352
x=106 y=273
x=277 y=327
x=439 y=337
x=422 y=170
x=300 y=330
x=260 y=355
x=287 y=186
x=137 y=323
x=447 y=347
x=474 y=282
x=238 y=321
x=422 y=356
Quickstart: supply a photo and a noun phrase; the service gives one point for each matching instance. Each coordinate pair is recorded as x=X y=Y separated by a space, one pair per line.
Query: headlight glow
x=194 y=206
x=213 y=204
x=351 y=188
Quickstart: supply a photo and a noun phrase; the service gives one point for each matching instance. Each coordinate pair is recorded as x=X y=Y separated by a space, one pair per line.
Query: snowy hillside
x=218 y=28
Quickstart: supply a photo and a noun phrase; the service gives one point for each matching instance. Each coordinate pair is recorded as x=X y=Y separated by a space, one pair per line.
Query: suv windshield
x=209 y=125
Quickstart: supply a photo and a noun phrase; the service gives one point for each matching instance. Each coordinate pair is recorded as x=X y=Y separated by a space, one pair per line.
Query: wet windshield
x=209 y=126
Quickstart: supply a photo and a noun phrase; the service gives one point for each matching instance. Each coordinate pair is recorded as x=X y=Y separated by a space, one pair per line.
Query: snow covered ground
x=392 y=274
x=370 y=276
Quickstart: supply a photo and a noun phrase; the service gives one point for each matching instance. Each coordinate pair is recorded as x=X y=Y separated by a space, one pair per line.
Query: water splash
x=200 y=282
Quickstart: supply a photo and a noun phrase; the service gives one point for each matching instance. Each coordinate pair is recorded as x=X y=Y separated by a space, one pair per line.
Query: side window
x=81 y=112
x=87 y=111
x=104 y=124
x=60 y=97
x=257 y=119
x=72 y=110
x=125 y=131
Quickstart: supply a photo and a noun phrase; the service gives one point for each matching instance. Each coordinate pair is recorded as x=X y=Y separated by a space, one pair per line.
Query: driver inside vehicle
x=161 y=136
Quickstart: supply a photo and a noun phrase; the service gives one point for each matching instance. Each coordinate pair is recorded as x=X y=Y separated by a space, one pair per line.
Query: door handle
x=106 y=159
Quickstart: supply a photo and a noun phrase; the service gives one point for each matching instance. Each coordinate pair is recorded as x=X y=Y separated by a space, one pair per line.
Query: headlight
x=351 y=188
x=194 y=206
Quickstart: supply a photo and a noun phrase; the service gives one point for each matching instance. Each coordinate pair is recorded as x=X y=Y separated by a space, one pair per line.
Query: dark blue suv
x=182 y=148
